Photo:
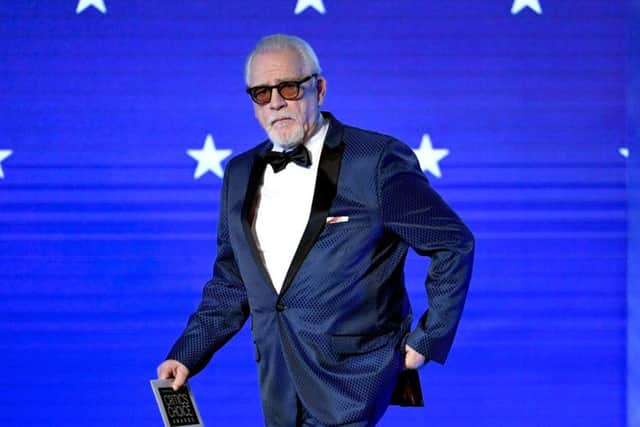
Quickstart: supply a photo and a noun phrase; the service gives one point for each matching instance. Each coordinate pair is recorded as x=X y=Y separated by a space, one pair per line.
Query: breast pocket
x=348 y=226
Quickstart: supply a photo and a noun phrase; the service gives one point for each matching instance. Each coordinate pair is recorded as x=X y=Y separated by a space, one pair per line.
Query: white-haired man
x=314 y=228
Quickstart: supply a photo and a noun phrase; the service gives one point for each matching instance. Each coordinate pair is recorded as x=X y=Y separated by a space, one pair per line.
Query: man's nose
x=277 y=102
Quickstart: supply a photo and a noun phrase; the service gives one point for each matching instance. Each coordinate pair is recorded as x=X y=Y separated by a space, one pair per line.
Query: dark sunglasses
x=289 y=90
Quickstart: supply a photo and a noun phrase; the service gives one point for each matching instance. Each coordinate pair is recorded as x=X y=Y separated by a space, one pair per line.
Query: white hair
x=279 y=42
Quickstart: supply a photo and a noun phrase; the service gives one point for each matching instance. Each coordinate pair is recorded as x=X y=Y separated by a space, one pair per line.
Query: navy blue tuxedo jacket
x=334 y=336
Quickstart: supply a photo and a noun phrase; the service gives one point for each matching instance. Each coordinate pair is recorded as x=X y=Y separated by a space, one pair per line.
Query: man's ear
x=322 y=89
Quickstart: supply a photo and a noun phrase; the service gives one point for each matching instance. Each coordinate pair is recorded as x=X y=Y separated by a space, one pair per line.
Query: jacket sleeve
x=224 y=306
x=417 y=214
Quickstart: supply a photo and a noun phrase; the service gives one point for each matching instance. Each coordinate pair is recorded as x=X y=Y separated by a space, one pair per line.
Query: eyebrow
x=278 y=81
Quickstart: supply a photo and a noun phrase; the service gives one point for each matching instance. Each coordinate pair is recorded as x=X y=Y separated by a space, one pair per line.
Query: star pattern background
x=302 y=5
x=84 y=4
x=429 y=157
x=519 y=5
x=117 y=120
x=209 y=158
x=3 y=155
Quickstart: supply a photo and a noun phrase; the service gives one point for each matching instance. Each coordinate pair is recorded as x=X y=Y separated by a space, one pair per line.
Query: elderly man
x=314 y=228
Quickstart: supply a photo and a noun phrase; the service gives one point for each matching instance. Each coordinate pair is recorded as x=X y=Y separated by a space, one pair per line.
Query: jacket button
x=280 y=307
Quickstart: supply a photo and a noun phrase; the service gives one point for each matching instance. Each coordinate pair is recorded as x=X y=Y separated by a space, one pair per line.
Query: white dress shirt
x=283 y=209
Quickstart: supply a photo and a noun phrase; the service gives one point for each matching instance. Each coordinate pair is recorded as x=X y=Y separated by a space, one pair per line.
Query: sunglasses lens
x=289 y=90
x=261 y=95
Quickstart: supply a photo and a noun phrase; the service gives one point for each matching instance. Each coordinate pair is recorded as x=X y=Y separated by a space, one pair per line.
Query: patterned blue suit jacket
x=334 y=336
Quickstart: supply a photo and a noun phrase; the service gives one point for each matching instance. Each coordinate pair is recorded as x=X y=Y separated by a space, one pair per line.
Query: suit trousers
x=305 y=419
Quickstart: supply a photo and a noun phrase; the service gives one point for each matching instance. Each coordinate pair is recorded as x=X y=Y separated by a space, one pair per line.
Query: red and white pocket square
x=337 y=219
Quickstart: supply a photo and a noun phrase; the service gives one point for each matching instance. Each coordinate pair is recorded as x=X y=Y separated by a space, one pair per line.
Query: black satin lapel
x=325 y=192
x=249 y=213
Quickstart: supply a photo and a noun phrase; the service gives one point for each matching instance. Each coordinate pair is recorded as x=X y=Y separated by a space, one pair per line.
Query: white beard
x=293 y=138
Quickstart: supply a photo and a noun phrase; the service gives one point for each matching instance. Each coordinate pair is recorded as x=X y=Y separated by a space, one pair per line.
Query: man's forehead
x=276 y=66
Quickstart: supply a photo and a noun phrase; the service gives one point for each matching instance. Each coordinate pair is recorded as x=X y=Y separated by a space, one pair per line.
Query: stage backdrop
x=118 y=117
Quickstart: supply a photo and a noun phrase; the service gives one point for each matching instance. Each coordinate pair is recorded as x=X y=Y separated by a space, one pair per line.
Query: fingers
x=164 y=371
x=173 y=369
x=413 y=359
x=180 y=377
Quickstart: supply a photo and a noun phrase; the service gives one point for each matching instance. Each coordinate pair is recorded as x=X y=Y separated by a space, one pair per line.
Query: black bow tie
x=279 y=160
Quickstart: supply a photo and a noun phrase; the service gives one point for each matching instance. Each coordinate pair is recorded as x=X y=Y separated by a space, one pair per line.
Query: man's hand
x=173 y=369
x=412 y=359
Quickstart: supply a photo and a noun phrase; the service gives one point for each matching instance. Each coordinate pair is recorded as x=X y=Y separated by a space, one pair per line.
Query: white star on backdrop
x=518 y=5
x=98 y=4
x=209 y=158
x=429 y=156
x=303 y=4
x=3 y=155
x=624 y=152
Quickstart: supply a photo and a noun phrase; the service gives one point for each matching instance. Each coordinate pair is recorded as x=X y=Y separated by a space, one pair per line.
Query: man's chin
x=286 y=141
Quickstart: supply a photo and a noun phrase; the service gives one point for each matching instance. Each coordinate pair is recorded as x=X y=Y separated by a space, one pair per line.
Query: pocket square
x=337 y=219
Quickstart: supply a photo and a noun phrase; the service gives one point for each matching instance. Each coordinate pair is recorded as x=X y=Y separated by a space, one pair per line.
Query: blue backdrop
x=117 y=117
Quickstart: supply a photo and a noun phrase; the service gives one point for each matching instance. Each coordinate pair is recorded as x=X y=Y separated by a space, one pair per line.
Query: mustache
x=279 y=116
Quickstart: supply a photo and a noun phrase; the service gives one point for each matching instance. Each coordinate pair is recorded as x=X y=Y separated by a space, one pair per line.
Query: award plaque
x=178 y=408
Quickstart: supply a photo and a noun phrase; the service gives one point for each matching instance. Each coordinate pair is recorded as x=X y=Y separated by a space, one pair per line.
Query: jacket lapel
x=249 y=211
x=325 y=192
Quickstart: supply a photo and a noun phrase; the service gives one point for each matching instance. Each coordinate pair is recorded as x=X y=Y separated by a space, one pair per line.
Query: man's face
x=287 y=122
